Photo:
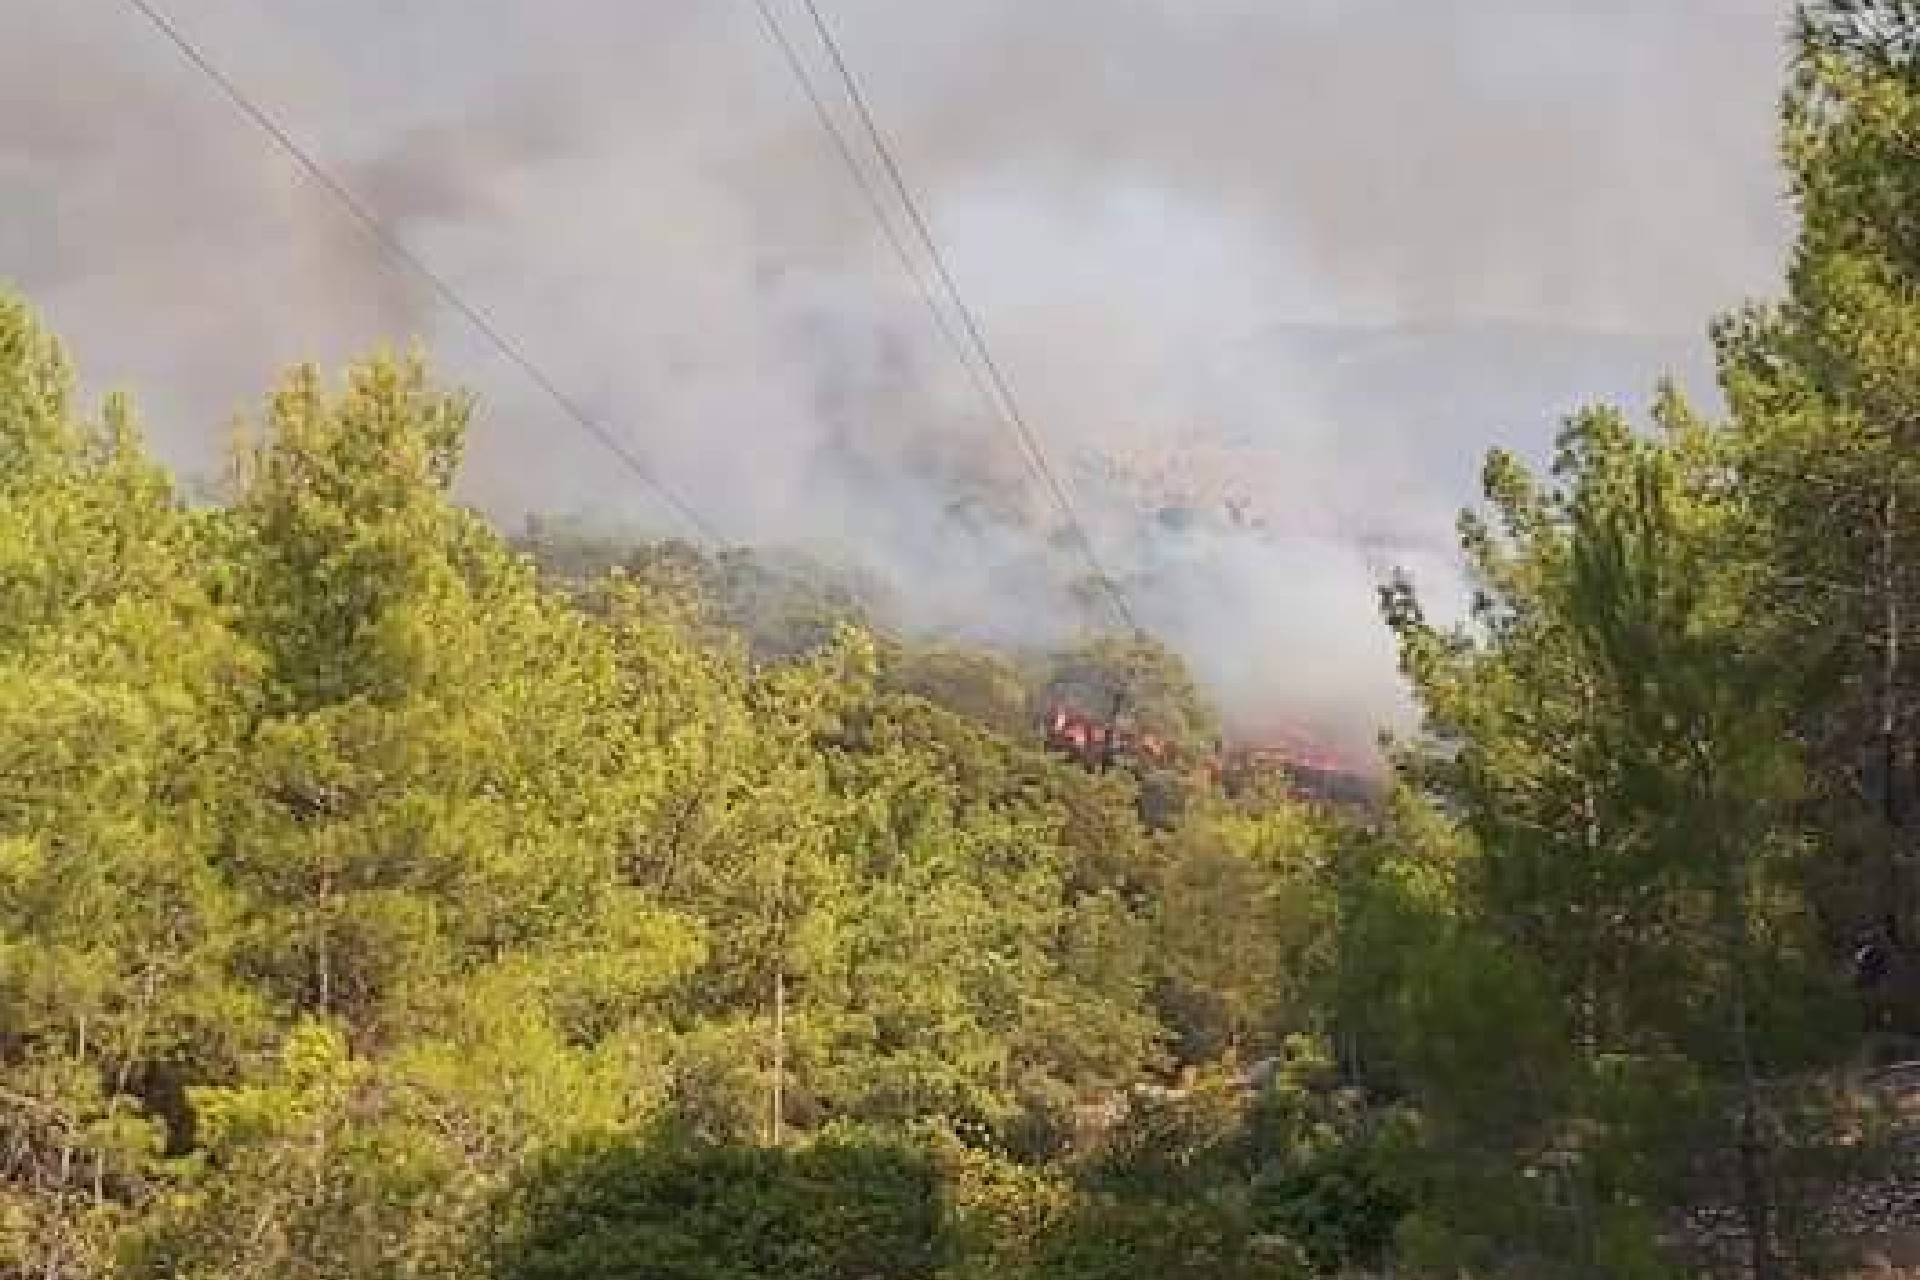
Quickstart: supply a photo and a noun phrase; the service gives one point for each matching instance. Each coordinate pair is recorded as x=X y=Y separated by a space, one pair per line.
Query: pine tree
x=1822 y=386
x=118 y=681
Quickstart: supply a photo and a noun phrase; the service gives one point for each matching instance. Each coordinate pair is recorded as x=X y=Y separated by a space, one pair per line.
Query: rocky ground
x=1875 y=1218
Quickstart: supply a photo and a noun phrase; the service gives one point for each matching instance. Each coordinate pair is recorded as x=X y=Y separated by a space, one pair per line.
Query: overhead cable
x=998 y=391
x=570 y=409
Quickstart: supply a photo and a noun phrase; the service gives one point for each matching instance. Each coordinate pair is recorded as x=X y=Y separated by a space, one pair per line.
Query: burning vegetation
x=1297 y=765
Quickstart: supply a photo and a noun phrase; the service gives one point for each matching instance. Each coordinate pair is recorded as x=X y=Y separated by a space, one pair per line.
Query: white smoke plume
x=1360 y=239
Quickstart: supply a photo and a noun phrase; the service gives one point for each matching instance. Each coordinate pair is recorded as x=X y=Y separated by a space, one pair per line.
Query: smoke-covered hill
x=1332 y=456
x=641 y=197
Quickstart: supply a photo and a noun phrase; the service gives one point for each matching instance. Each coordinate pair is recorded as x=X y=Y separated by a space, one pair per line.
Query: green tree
x=1822 y=386
x=982 y=978
x=673 y=1209
x=980 y=687
x=1619 y=746
x=1139 y=680
x=429 y=838
x=119 y=685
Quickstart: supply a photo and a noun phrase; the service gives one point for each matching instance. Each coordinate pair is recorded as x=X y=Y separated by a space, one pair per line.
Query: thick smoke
x=1355 y=240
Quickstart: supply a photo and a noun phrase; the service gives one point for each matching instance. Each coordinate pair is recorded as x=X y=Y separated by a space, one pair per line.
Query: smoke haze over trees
x=1217 y=217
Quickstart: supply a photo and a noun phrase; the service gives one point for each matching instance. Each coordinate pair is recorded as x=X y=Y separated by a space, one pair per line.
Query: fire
x=1095 y=742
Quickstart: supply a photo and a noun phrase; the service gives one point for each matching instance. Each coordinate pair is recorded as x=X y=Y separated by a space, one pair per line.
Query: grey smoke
x=1358 y=240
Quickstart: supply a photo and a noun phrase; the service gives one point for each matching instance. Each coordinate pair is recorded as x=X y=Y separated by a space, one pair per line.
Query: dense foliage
x=366 y=885
x=383 y=897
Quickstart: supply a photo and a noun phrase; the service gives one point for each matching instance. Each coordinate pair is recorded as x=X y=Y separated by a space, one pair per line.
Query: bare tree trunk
x=1756 y=1197
x=778 y=1101
x=779 y=1049
x=1756 y=1200
x=1890 y=656
x=323 y=954
x=1587 y=1016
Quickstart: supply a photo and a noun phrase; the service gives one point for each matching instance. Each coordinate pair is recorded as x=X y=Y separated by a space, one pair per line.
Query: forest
x=387 y=895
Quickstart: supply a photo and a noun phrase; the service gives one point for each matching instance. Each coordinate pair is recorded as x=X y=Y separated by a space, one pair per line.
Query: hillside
x=390 y=894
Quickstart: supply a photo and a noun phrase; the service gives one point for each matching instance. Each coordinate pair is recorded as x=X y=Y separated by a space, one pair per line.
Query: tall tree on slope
x=117 y=683
x=1617 y=742
x=1825 y=387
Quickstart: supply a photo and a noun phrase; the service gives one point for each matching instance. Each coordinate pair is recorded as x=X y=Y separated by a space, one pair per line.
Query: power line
x=875 y=205
x=982 y=386
x=398 y=248
x=1010 y=404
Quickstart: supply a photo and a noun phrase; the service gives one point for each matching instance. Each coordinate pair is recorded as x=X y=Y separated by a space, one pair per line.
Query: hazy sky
x=1145 y=201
